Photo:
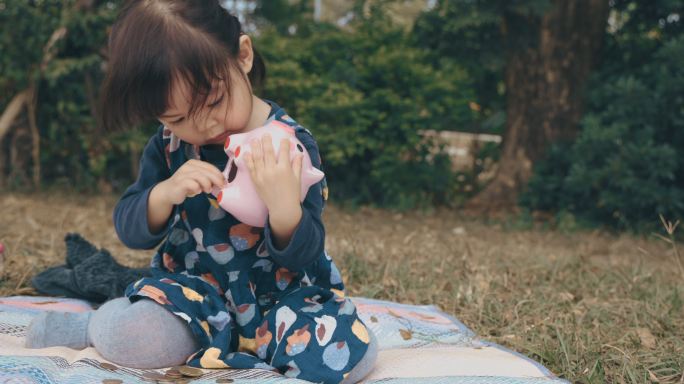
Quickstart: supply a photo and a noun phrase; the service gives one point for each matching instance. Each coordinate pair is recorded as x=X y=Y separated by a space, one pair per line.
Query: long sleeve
x=130 y=213
x=308 y=240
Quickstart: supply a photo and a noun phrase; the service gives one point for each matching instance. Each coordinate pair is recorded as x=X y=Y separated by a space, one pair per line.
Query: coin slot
x=232 y=172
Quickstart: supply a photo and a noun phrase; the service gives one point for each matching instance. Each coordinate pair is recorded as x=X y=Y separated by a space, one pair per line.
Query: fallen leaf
x=653 y=377
x=406 y=334
x=566 y=296
x=394 y=314
x=424 y=317
x=646 y=337
x=45 y=302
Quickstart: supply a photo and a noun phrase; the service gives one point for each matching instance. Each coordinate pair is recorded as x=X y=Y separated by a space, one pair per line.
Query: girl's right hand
x=189 y=180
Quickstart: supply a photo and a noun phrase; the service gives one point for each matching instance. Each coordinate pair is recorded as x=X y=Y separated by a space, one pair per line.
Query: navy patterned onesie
x=249 y=304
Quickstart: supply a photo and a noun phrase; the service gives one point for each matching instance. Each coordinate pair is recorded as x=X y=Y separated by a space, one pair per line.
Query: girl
x=223 y=294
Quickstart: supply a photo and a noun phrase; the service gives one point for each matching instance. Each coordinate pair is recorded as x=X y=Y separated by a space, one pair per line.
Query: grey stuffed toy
x=89 y=273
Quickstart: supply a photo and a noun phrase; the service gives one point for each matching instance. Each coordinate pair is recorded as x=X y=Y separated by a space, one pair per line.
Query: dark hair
x=154 y=43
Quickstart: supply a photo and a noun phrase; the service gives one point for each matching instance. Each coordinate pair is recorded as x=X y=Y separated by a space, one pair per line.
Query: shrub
x=626 y=167
x=366 y=94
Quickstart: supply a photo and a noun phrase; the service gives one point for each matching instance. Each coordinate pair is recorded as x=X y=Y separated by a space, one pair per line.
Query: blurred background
x=568 y=111
x=516 y=162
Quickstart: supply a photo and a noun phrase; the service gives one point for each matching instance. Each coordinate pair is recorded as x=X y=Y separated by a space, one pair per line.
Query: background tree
x=626 y=167
x=367 y=89
x=548 y=49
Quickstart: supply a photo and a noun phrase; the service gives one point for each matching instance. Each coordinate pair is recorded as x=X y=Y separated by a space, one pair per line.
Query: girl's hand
x=277 y=181
x=192 y=178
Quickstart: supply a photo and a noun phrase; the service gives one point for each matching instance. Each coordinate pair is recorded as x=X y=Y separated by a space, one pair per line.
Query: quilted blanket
x=418 y=344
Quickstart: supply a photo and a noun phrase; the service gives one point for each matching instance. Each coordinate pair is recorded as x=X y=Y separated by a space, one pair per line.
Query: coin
x=112 y=381
x=173 y=373
x=224 y=380
x=190 y=371
x=110 y=367
x=154 y=376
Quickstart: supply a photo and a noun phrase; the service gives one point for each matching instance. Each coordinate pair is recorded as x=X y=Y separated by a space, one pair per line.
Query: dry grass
x=592 y=307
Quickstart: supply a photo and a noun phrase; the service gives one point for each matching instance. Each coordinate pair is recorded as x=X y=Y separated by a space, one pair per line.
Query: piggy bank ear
x=233 y=142
x=232 y=146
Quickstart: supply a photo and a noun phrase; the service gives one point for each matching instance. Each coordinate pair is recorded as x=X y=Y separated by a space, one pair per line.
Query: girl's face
x=218 y=118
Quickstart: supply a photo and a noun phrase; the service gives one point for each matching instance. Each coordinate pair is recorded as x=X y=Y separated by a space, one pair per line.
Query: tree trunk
x=549 y=59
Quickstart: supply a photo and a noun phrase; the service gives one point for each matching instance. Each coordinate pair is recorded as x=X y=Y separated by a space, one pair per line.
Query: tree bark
x=549 y=60
x=35 y=139
x=29 y=96
x=13 y=110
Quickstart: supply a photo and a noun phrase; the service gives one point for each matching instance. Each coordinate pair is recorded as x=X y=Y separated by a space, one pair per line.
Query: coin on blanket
x=109 y=367
x=173 y=373
x=225 y=380
x=154 y=376
x=112 y=381
x=191 y=371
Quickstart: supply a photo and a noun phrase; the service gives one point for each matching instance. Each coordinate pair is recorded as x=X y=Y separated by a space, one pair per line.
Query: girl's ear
x=246 y=54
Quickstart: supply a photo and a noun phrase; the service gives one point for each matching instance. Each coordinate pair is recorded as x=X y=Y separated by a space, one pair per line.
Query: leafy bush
x=366 y=94
x=626 y=167
x=74 y=151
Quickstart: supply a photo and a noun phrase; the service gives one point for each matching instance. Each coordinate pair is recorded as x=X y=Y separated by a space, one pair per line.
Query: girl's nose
x=202 y=126
x=216 y=117
x=213 y=121
x=205 y=122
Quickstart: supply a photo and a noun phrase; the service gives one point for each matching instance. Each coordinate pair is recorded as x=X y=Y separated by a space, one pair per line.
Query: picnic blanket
x=418 y=344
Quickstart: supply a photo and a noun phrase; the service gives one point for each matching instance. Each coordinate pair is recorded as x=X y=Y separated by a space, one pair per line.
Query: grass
x=592 y=307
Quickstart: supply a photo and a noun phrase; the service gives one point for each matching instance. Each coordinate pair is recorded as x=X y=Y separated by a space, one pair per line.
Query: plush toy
x=239 y=197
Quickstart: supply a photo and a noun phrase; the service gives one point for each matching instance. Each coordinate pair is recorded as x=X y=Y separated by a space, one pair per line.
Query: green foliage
x=473 y=35
x=626 y=167
x=366 y=94
x=74 y=151
x=368 y=90
x=283 y=15
x=26 y=29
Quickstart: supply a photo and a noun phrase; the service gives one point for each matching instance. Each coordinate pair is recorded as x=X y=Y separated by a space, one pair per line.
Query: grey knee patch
x=142 y=334
x=366 y=364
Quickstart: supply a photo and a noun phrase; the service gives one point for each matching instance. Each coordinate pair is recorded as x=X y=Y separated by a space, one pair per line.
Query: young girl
x=223 y=294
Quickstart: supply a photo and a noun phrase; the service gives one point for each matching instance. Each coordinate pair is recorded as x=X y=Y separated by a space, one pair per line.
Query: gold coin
x=154 y=376
x=190 y=371
x=112 y=381
x=173 y=373
x=110 y=367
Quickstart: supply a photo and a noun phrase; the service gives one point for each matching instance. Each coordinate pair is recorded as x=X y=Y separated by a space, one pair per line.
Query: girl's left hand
x=277 y=181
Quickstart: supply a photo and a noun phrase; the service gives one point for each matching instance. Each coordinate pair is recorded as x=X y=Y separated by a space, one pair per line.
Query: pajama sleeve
x=130 y=213
x=308 y=240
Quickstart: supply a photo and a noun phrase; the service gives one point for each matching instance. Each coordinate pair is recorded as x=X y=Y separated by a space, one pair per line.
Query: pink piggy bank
x=239 y=197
